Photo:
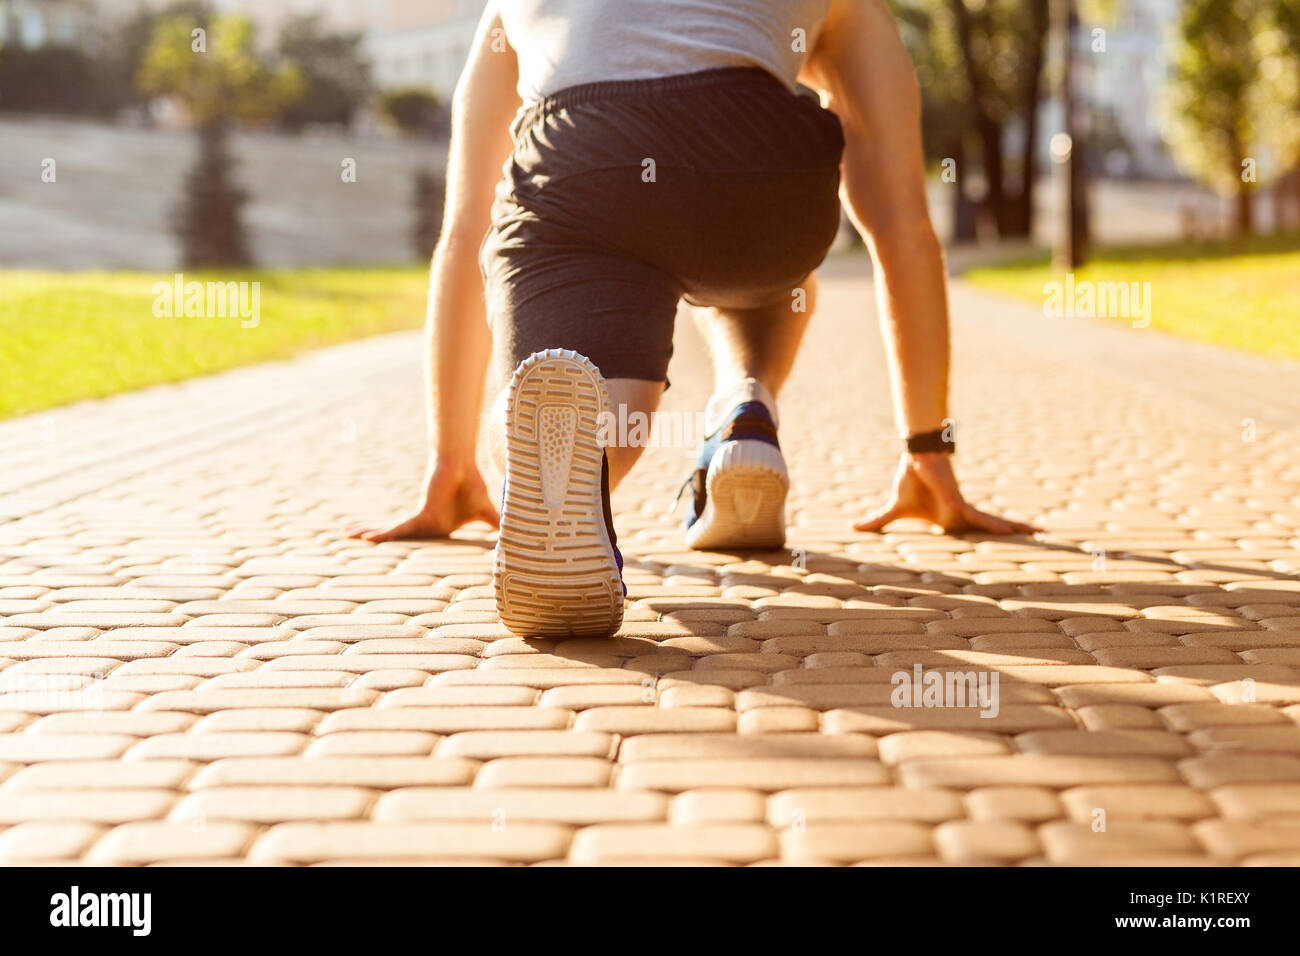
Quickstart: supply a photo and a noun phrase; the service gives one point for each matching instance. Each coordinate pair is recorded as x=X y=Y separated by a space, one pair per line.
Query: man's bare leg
x=756 y=343
x=740 y=484
x=633 y=394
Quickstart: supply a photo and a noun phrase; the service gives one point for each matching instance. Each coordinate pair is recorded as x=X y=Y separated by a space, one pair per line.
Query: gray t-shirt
x=562 y=43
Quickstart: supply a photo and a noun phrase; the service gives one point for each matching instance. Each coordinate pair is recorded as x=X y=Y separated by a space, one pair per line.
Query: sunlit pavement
x=196 y=666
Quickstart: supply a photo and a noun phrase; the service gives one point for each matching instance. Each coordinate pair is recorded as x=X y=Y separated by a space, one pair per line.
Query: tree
x=210 y=65
x=946 y=127
x=126 y=45
x=1232 y=101
x=336 y=75
x=1279 y=45
x=414 y=111
x=992 y=58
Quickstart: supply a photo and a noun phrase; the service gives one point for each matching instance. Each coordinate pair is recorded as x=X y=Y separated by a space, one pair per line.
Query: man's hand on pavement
x=454 y=495
x=925 y=487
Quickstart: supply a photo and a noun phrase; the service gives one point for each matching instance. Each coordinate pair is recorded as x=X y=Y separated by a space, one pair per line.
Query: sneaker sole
x=554 y=572
x=746 y=486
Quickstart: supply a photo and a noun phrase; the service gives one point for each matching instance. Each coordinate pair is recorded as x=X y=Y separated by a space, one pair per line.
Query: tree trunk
x=1245 y=211
x=1021 y=214
x=995 y=199
x=1295 y=198
x=963 y=210
x=989 y=129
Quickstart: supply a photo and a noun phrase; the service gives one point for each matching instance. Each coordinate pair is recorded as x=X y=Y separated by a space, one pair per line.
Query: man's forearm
x=865 y=75
x=459 y=343
x=912 y=301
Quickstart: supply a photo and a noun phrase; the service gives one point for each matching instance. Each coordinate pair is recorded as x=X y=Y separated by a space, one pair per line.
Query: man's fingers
x=974 y=519
x=410 y=528
x=489 y=514
x=880 y=518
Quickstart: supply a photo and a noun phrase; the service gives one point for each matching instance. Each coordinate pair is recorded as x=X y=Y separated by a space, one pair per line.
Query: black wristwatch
x=931 y=441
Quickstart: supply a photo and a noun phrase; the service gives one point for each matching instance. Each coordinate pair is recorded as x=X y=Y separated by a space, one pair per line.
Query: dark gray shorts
x=623 y=197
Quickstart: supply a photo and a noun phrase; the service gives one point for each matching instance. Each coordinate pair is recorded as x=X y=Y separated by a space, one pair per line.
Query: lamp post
x=1069 y=147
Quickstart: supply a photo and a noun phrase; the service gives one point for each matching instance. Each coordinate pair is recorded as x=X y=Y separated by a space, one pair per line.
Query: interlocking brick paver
x=508 y=772
x=447 y=719
x=42 y=841
x=312 y=842
x=850 y=842
x=961 y=841
x=586 y=805
x=1219 y=768
x=152 y=842
x=302 y=698
x=791 y=807
x=732 y=842
x=1031 y=804
x=653 y=720
x=293 y=720
x=35 y=748
x=272 y=804
x=1035 y=770
x=1137 y=802
x=214 y=746
x=777 y=773
x=671 y=746
x=1251 y=800
x=102 y=775
x=490 y=744
x=1076 y=843
x=381 y=773
x=717 y=806
x=361 y=742
x=1232 y=839
x=116 y=806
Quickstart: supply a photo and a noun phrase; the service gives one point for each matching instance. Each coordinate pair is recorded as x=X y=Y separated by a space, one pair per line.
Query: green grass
x=71 y=336
x=1243 y=295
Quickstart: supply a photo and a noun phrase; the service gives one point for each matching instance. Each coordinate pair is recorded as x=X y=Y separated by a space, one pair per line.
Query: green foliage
x=927 y=32
x=215 y=70
x=1235 y=93
x=212 y=66
x=981 y=66
x=123 y=52
x=336 y=76
x=413 y=111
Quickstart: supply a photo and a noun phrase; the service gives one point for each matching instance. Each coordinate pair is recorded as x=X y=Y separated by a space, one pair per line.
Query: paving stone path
x=195 y=666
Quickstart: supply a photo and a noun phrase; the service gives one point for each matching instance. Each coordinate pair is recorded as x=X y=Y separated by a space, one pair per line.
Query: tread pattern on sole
x=746 y=486
x=555 y=573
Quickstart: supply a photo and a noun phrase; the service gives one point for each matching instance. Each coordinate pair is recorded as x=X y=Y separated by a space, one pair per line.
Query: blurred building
x=410 y=43
x=36 y=23
x=1124 y=85
x=422 y=43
